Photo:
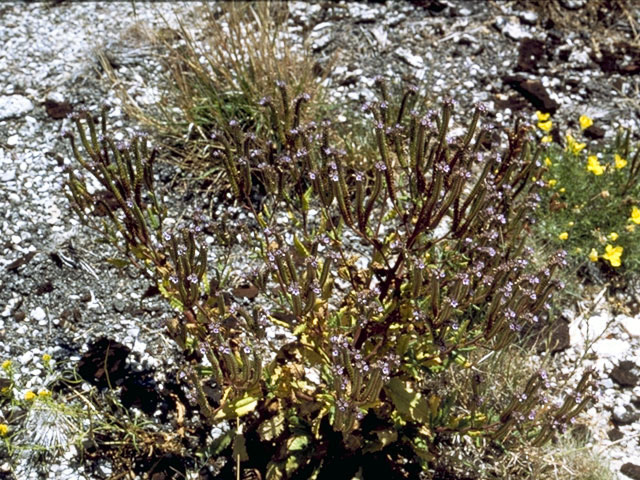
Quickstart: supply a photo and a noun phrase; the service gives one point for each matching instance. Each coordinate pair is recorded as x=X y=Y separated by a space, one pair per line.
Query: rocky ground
x=57 y=294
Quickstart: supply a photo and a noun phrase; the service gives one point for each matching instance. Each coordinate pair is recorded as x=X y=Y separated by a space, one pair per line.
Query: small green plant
x=389 y=271
x=591 y=202
x=36 y=422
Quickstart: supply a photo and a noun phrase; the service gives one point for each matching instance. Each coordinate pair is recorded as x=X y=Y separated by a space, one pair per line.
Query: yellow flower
x=573 y=146
x=29 y=395
x=547 y=162
x=594 y=166
x=562 y=190
x=585 y=122
x=545 y=126
x=620 y=162
x=613 y=236
x=4 y=429
x=6 y=365
x=630 y=228
x=44 y=393
x=612 y=255
x=552 y=182
x=546 y=139
x=563 y=235
x=635 y=216
x=542 y=117
x=593 y=255
x=571 y=224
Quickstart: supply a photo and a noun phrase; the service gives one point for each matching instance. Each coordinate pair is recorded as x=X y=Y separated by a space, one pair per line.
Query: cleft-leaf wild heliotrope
x=392 y=267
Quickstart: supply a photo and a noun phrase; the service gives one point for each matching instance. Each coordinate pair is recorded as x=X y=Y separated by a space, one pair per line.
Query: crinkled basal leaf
x=271 y=428
x=297 y=443
x=387 y=436
x=274 y=471
x=173 y=301
x=409 y=403
x=238 y=408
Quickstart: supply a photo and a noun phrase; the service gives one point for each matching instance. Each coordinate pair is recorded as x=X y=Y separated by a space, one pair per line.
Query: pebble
x=13 y=140
x=38 y=314
x=14 y=106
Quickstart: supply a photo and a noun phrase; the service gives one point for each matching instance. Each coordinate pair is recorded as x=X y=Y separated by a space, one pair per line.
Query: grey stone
x=623 y=375
x=14 y=106
x=624 y=416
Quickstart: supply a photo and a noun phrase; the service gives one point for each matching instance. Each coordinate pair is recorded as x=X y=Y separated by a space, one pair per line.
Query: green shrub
x=392 y=274
x=591 y=201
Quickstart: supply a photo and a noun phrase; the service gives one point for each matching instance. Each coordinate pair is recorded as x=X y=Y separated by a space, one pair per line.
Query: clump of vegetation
x=592 y=200
x=390 y=273
x=221 y=76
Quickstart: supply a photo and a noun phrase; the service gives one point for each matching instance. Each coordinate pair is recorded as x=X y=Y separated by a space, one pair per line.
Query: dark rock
x=631 y=470
x=594 y=132
x=19 y=316
x=140 y=390
x=434 y=6
x=23 y=260
x=607 y=61
x=624 y=416
x=57 y=109
x=632 y=68
x=560 y=339
x=530 y=54
x=85 y=296
x=622 y=374
x=635 y=401
x=104 y=363
x=615 y=434
x=44 y=287
x=533 y=91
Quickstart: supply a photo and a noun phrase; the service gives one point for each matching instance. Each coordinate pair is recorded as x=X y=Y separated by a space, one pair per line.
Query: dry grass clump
x=220 y=67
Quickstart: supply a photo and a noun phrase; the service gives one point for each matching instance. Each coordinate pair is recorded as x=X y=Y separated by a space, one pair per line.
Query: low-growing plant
x=591 y=200
x=35 y=423
x=388 y=273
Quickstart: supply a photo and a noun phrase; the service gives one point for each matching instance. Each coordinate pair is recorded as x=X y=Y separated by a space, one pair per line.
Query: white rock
x=26 y=357
x=13 y=106
x=38 y=314
x=611 y=347
x=12 y=141
x=630 y=324
x=8 y=176
x=406 y=55
x=514 y=31
x=139 y=347
x=582 y=330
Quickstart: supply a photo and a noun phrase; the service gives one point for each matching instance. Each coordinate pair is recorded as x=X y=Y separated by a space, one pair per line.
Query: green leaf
x=409 y=403
x=300 y=248
x=271 y=428
x=306 y=197
x=118 y=262
x=238 y=408
x=297 y=443
x=240 y=448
